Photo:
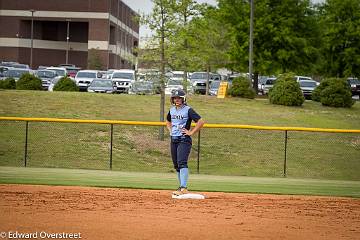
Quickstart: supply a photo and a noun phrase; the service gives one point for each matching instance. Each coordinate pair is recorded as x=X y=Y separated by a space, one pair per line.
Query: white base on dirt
x=189 y=196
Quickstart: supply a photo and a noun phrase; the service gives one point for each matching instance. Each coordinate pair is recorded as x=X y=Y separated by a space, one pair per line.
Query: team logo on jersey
x=180 y=117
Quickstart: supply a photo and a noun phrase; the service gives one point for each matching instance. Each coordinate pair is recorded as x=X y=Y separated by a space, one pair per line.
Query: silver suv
x=198 y=81
x=307 y=87
x=84 y=78
x=123 y=79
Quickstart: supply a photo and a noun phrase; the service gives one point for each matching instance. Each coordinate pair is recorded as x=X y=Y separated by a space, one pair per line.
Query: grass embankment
x=135 y=148
x=146 y=108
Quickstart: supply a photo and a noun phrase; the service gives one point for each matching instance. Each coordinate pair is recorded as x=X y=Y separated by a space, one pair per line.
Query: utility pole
x=32 y=37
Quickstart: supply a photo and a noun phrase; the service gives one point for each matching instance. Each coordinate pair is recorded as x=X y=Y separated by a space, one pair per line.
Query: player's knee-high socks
x=184 y=175
x=178 y=175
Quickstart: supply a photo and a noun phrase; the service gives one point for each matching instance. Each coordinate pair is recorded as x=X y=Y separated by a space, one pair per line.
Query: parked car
x=16 y=73
x=307 y=87
x=269 y=83
x=299 y=78
x=261 y=83
x=122 y=79
x=109 y=73
x=65 y=65
x=72 y=71
x=215 y=77
x=173 y=84
x=156 y=81
x=41 y=67
x=14 y=65
x=46 y=77
x=84 y=78
x=354 y=84
x=60 y=71
x=214 y=88
x=3 y=70
x=198 y=82
x=177 y=75
x=103 y=74
x=22 y=66
x=142 y=88
x=99 y=85
x=8 y=64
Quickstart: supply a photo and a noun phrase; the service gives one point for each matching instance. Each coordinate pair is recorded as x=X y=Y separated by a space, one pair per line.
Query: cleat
x=180 y=191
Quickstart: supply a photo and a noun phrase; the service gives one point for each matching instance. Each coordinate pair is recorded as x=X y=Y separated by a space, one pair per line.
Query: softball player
x=178 y=123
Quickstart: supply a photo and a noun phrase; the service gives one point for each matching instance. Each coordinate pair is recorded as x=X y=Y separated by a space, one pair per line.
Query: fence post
x=198 y=154
x=285 y=157
x=26 y=143
x=111 y=143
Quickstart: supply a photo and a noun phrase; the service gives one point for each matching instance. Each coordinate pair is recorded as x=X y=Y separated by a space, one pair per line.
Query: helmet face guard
x=178 y=93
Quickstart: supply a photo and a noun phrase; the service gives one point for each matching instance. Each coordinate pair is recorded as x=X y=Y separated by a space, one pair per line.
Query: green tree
x=286 y=35
x=208 y=42
x=94 y=61
x=340 y=21
x=162 y=22
x=179 y=54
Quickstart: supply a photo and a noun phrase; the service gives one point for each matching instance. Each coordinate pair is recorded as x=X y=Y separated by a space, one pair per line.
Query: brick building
x=63 y=31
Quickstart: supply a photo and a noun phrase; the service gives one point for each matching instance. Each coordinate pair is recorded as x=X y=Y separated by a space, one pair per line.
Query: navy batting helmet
x=178 y=93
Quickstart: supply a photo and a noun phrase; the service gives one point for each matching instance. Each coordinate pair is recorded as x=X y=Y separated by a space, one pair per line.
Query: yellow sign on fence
x=222 y=90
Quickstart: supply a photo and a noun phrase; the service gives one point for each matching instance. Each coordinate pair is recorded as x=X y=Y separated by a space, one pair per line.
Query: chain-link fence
x=216 y=150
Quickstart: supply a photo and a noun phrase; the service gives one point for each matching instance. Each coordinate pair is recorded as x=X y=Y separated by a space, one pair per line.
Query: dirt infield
x=104 y=213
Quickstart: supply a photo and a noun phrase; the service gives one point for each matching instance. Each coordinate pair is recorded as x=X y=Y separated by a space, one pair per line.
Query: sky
x=145 y=6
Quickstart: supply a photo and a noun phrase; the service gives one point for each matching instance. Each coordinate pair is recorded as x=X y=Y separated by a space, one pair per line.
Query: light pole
x=32 y=37
x=67 y=40
x=251 y=39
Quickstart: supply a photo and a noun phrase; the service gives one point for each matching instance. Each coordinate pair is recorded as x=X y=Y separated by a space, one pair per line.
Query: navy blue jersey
x=181 y=118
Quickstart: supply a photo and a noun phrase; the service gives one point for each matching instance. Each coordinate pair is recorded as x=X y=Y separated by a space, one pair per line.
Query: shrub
x=241 y=88
x=334 y=92
x=286 y=91
x=8 y=83
x=28 y=82
x=66 y=84
x=316 y=93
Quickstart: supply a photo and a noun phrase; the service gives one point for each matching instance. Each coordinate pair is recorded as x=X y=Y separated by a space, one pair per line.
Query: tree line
x=318 y=40
x=289 y=36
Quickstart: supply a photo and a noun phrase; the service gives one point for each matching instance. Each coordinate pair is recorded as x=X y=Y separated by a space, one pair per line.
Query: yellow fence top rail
x=207 y=125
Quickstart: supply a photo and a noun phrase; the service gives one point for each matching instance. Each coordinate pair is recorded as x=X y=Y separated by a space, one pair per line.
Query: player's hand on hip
x=186 y=132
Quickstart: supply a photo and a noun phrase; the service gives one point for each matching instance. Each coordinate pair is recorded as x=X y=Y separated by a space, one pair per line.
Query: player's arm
x=168 y=121
x=168 y=125
x=199 y=124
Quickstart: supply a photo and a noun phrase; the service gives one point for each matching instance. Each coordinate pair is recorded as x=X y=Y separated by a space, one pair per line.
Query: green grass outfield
x=200 y=183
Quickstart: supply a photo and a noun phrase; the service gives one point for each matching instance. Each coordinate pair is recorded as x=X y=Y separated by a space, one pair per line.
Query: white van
x=123 y=79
